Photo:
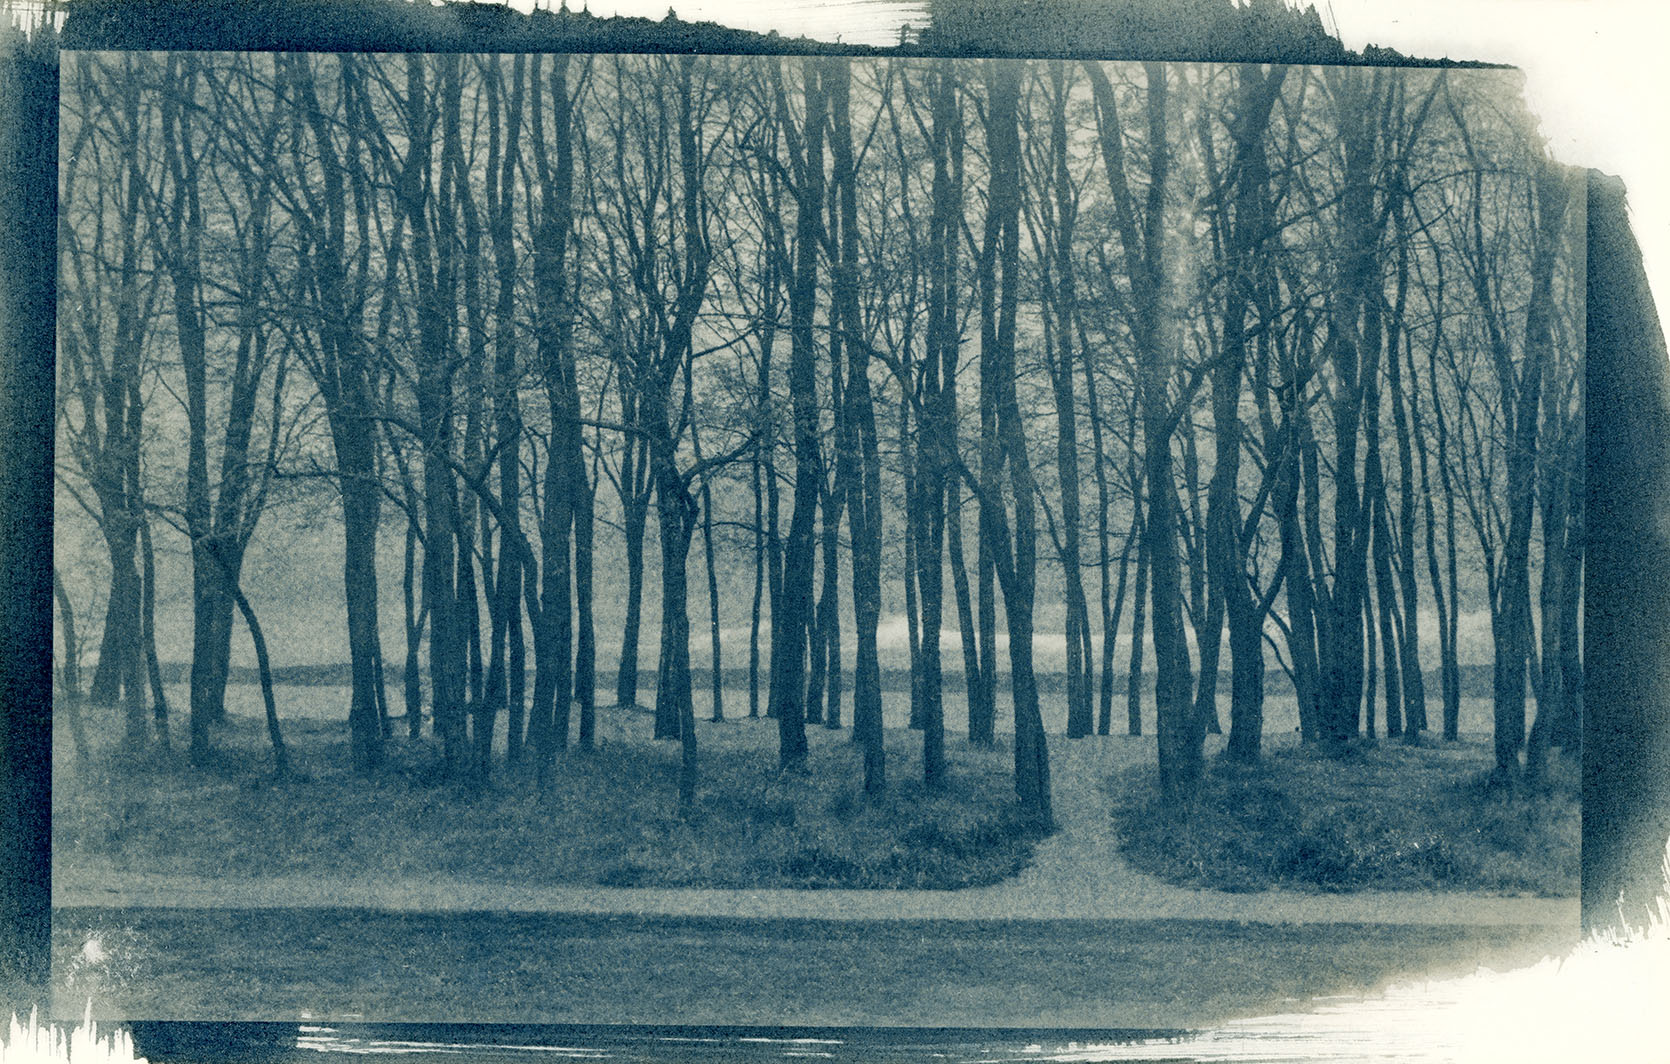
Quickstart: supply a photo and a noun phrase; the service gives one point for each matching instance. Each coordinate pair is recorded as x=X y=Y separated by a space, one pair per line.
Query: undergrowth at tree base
x=607 y=817
x=1370 y=816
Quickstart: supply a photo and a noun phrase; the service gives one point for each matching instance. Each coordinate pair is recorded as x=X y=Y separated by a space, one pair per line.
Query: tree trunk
x=636 y=518
x=790 y=614
x=148 y=634
x=1448 y=622
x=1110 y=612
x=1256 y=92
x=1006 y=445
x=1513 y=631
x=1079 y=719
x=1414 y=683
x=69 y=677
x=937 y=436
x=864 y=493
x=342 y=375
x=281 y=756
x=1179 y=727
x=1110 y=636
x=1375 y=495
x=759 y=589
x=716 y=671
x=413 y=683
x=678 y=524
x=824 y=639
x=972 y=685
x=1196 y=607
x=585 y=635
x=1139 y=620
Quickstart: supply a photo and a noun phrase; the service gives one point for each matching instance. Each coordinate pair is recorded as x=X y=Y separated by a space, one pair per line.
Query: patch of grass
x=1384 y=817
x=607 y=817
x=522 y=968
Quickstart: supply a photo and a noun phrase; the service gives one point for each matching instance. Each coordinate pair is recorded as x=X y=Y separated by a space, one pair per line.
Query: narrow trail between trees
x=1077 y=874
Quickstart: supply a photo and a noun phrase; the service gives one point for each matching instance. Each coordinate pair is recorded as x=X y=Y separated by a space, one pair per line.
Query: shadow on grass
x=607 y=816
x=1369 y=817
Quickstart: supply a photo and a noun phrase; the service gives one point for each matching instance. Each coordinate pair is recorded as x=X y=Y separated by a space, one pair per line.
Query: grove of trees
x=1283 y=361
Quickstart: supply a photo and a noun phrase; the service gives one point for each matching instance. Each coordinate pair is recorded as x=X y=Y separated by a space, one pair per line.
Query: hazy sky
x=1593 y=69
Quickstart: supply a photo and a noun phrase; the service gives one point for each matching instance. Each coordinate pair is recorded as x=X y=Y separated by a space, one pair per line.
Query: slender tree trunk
x=360 y=507
x=508 y=651
x=413 y=684
x=1197 y=606
x=1414 y=683
x=864 y=496
x=1441 y=604
x=69 y=677
x=635 y=518
x=789 y=616
x=909 y=459
x=553 y=695
x=136 y=734
x=585 y=632
x=435 y=393
x=183 y=225
x=759 y=589
x=120 y=608
x=773 y=563
x=1376 y=498
x=982 y=706
x=1448 y=623
x=1178 y=726
x=1514 y=647
x=148 y=633
x=1391 y=641
x=937 y=439
x=1110 y=613
x=830 y=713
x=676 y=512
x=825 y=640
x=1256 y=92
x=281 y=756
x=1371 y=669
x=1551 y=703
x=343 y=376
x=1567 y=731
x=999 y=299
x=972 y=668
x=1079 y=719
x=1139 y=621
x=716 y=672
x=480 y=715
x=1110 y=636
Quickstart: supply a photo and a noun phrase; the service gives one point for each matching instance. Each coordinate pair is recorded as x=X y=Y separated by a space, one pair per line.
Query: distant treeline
x=1475 y=679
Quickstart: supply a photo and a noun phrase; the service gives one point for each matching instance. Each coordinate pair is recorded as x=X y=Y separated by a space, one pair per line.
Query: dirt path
x=1077 y=873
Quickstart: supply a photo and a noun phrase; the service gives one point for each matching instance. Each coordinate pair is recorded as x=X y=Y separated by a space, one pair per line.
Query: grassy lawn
x=340 y=964
x=1375 y=816
x=608 y=817
x=1382 y=816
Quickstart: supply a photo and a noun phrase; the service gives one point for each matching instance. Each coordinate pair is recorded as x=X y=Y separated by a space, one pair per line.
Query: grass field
x=1381 y=815
x=334 y=965
x=1385 y=816
x=608 y=817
